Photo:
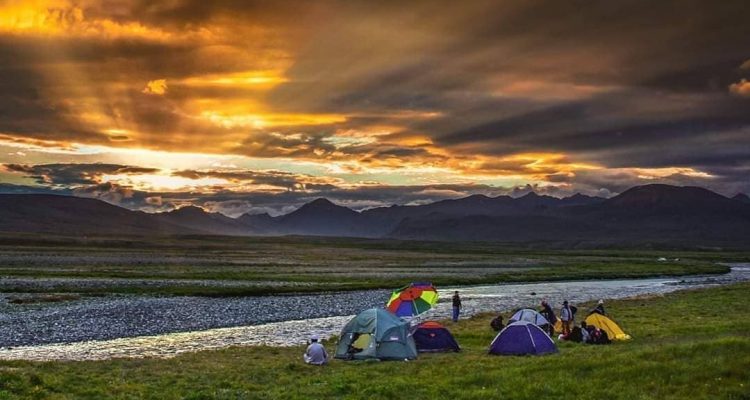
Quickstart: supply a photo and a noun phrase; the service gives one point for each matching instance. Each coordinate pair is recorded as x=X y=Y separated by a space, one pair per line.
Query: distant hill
x=645 y=214
x=197 y=220
x=650 y=214
x=43 y=213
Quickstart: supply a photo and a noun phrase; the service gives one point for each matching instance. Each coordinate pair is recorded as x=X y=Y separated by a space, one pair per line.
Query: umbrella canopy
x=412 y=300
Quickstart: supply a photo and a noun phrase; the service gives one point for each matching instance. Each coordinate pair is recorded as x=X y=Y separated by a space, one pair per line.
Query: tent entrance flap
x=376 y=334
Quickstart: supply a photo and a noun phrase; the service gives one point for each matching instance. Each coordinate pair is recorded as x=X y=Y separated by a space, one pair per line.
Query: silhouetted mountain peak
x=320 y=207
x=188 y=211
x=255 y=216
x=320 y=203
x=666 y=195
x=579 y=199
x=741 y=197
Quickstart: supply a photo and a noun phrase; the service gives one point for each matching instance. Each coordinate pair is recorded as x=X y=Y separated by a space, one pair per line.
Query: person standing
x=566 y=317
x=599 y=309
x=497 y=323
x=316 y=354
x=456 y=306
x=549 y=314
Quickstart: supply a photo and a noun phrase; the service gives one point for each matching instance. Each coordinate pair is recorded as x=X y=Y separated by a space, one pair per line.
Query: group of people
x=583 y=333
x=316 y=354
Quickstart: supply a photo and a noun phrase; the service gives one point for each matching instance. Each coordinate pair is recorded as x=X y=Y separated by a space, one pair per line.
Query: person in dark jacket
x=549 y=314
x=603 y=337
x=576 y=335
x=497 y=323
x=599 y=309
x=456 y=306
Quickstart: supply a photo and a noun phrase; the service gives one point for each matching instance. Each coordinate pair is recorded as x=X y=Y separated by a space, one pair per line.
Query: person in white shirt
x=316 y=354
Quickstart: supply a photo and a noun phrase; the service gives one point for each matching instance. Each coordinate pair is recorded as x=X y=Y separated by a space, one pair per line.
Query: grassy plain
x=295 y=264
x=687 y=345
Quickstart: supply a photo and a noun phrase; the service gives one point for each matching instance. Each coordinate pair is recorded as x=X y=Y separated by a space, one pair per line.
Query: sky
x=260 y=106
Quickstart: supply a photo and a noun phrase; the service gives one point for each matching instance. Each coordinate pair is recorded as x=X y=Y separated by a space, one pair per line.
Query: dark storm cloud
x=279 y=179
x=66 y=175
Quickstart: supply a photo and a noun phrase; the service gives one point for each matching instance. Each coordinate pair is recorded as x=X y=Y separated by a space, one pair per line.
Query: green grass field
x=687 y=345
x=281 y=265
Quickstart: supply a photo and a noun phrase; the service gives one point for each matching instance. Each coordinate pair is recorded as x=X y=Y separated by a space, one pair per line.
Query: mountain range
x=653 y=214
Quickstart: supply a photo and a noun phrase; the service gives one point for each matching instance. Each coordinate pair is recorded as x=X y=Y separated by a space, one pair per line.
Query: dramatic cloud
x=157 y=87
x=66 y=175
x=741 y=88
x=556 y=96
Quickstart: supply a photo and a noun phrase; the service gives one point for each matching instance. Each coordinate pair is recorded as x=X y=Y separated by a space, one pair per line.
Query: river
x=114 y=327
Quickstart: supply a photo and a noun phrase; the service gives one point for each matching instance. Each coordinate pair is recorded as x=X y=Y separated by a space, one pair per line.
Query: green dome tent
x=376 y=334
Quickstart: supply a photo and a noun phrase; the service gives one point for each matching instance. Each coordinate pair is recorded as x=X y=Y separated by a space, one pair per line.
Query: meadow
x=235 y=266
x=686 y=345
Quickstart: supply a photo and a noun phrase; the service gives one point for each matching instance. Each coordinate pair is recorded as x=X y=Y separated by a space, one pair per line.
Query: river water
x=291 y=330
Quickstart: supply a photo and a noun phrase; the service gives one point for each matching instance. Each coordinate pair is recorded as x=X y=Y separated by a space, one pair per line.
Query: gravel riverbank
x=93 y=318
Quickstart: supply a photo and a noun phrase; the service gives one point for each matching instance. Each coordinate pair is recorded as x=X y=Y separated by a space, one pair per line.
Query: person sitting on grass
x=599 y=336
x=603 y=337
x=576 y=335
x=585 y=335
x=497 y=323
x=316 y=354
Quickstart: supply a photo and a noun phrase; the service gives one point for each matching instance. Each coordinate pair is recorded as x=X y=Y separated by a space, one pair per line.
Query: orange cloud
x=65 y=18
x=156 y=87
x=741 y=88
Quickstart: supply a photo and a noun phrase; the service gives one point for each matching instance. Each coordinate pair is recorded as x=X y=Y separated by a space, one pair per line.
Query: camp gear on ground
x=412 y=300
x=431 y=336
x=606 y=324
x=520 y=338
x=376 y=334
x=529 y=315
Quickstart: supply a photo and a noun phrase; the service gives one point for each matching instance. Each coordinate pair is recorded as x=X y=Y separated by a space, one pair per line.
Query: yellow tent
x=602 y=322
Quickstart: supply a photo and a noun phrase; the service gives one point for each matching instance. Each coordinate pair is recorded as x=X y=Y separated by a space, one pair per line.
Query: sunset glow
x=380 y=104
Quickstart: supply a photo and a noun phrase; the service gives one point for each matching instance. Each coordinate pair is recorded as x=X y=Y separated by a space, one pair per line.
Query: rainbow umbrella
x=413 y=299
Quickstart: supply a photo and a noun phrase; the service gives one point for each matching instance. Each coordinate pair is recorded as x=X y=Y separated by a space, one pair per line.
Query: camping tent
x=604 y=323
x=529 y=315
x=522 y=337
x=430 y=336
x=376 y=334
